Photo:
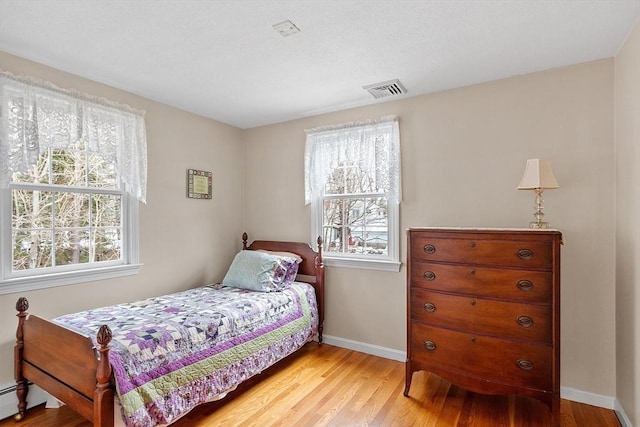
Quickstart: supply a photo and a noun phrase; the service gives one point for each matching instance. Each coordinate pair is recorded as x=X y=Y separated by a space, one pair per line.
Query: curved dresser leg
x=407 y=380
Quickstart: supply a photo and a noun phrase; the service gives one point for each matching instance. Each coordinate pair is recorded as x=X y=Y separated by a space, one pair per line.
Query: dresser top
x=487 y=229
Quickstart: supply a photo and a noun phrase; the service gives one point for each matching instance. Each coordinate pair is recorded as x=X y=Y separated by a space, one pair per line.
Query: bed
x=158 y=358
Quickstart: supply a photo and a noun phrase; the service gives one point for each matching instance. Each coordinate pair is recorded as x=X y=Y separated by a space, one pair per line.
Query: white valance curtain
x=36 y=116
x=374 y=146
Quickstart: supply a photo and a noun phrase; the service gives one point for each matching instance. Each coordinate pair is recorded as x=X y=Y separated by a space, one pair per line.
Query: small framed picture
x=199 y=184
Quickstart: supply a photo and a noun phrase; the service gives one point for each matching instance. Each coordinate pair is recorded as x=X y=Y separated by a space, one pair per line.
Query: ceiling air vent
x=386 y=89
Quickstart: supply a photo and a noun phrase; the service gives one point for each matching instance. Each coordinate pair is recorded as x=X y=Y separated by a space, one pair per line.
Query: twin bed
x=156 y=359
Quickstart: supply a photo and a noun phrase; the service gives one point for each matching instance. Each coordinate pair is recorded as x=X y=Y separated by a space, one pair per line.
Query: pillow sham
x=292 y=268
x=260 y=271
x=297 y=257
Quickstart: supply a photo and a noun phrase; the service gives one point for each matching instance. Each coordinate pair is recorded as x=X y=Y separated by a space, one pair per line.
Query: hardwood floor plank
x=331 y=386
x=452 y=401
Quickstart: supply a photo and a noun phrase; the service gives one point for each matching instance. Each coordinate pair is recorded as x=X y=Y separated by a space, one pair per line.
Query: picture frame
x=199 y=184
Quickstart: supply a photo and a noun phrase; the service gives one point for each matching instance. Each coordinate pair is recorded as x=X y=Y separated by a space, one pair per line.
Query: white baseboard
x=622 y=415
x=375 y=350
x=602 y=401
x=9 y=400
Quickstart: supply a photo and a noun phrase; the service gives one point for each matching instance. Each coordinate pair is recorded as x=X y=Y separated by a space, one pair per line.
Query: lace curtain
x=374 y=146
x=36 y=116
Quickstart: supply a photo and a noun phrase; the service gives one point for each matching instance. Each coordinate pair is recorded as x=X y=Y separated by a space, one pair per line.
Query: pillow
x=292 y=270
x=260 y=271
x=297 y=257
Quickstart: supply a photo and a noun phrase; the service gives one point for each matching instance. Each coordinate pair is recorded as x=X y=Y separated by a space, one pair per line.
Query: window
x=72 y=170
x=352 y=181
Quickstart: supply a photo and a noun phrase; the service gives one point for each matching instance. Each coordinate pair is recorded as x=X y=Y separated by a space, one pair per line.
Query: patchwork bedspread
x=173 y=352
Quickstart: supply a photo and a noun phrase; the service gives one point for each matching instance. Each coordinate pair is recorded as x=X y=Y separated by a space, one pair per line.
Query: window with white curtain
x=352 y=182
x=72 y=171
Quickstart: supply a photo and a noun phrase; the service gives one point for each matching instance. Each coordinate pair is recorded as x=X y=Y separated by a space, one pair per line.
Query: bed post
x=244 y=241
x=103 y=394
x=320 y=284
x=22 y=387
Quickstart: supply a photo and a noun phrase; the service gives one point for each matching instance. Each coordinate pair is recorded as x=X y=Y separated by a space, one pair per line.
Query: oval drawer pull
x=429 y=249
x=524 y=364
x=429 y=307
x=525 y=321
x=429 y=345
x=525 y=285
x=429 y=275
x=525 y=254
x=472 y=302
x=472 y=271
x=472 y=244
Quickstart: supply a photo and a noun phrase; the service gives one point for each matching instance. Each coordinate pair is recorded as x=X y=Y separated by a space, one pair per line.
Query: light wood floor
x=331 y=386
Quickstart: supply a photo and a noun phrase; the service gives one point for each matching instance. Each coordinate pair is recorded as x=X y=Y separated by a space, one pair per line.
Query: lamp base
x=539 y=225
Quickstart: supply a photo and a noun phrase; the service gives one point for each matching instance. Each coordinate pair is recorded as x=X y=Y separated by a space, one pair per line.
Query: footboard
x=65 y=364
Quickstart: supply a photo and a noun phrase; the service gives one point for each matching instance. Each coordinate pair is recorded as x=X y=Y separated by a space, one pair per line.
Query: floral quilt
x=173 y=352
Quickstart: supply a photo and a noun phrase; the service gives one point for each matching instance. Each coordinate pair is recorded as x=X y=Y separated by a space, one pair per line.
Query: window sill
x=43 y=281
x=365 y=264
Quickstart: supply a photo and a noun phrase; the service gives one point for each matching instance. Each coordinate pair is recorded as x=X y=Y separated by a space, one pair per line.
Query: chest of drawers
x=483 y=310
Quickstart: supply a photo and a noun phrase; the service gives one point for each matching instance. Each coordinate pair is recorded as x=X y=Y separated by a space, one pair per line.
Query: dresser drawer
x=493 y=359
x=525 y=285
x=522 y=254
x=482 y=316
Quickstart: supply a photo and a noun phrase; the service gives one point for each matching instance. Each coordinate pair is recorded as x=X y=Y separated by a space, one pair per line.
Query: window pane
x=354 y=181
x=333 y=239
x=31 y=249
x=39 y=173
x=71 y=246
x=106 y=210
x=335 y=182
x=102 y=174
x=108 y=244
x=349 y=180
x=30 y=209
x=356 y=225
x=71 y=209
x=68 y=168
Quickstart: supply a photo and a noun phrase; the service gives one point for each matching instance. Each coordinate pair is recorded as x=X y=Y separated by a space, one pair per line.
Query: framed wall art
x=199 y=184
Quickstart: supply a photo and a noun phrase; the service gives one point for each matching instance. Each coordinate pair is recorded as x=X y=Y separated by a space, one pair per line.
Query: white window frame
x=28 y=280
x=390 y=261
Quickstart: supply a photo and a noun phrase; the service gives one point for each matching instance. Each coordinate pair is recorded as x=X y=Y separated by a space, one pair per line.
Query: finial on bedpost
x=244 y=241
x=22 y=387
x=103 y=373
x=22 y=305
x=103 y=393
x=319 y=260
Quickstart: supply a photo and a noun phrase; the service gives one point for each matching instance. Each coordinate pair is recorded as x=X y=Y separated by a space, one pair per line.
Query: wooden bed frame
x=68 y=366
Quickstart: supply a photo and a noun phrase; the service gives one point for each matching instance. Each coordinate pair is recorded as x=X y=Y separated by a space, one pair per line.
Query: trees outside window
x=66 y=210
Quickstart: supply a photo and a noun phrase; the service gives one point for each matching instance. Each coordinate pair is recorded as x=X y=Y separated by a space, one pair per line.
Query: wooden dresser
x=483 y=310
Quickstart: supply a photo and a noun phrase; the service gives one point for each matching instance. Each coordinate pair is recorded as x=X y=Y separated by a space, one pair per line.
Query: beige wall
x=627 y=132
x=463 y=154
x=183 y=242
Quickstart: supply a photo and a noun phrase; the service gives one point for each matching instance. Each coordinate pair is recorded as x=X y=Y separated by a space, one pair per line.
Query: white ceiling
x=222 y=59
